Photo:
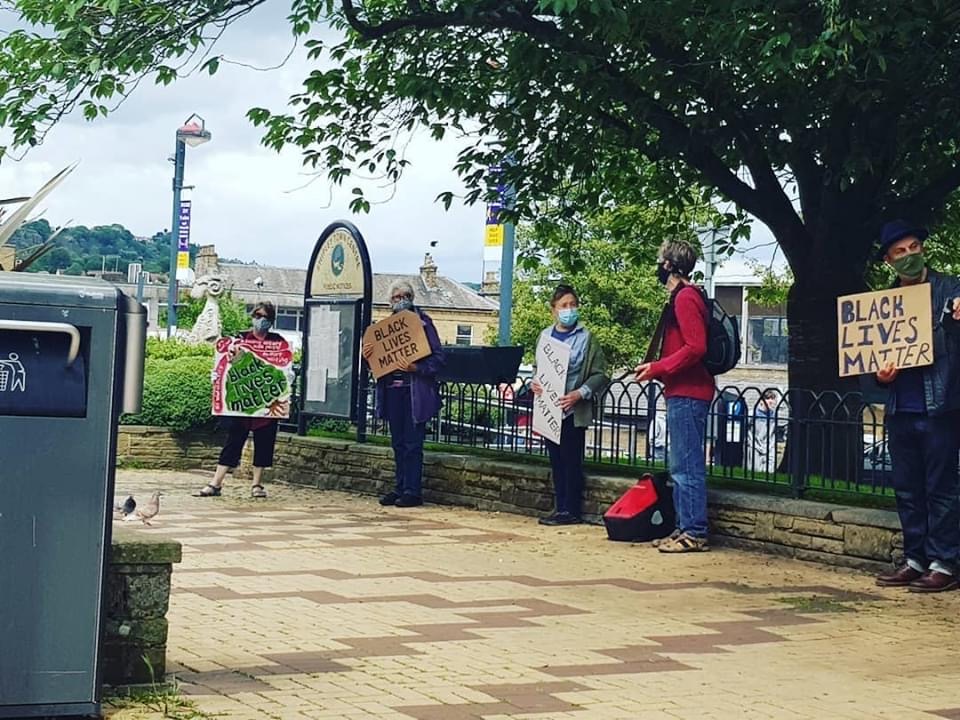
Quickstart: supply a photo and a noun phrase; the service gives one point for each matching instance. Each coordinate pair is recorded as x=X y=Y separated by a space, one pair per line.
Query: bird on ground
x=125 y=508
x=145 y=513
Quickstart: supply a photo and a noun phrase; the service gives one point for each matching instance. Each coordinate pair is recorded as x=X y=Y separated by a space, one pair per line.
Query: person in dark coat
x=922 y=419
x=407 y=399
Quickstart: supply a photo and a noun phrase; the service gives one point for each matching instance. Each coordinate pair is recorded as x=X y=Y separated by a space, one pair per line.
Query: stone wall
x=834 y=534
x=152 y=447
x=138 y=596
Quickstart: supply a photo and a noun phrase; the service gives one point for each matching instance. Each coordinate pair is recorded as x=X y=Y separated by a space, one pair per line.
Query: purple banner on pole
x=183 y=231
x=493 y=214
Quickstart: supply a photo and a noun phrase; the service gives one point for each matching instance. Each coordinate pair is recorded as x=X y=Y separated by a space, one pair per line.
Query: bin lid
x=56 y=290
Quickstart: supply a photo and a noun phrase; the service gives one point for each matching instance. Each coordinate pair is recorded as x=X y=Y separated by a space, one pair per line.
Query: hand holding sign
x=888 y=374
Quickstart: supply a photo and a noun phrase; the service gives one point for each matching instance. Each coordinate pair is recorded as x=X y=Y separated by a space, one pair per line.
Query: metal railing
x=803 y=440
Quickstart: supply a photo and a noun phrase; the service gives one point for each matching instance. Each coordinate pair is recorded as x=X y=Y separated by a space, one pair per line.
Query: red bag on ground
x=644 y=512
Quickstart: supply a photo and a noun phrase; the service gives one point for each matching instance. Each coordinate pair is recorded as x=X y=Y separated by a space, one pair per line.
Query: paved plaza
x=323 y=605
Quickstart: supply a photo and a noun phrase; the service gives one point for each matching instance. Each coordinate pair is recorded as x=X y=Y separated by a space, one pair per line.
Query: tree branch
x=677 y=138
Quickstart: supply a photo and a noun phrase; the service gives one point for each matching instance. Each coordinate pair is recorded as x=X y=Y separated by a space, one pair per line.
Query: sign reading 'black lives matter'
x=876 y=329
x=398 y=337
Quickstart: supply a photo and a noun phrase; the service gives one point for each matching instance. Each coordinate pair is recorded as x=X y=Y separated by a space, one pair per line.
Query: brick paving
x=324 y=605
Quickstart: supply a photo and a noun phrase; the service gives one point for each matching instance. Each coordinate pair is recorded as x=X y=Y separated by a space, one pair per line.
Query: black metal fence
x=799 y=440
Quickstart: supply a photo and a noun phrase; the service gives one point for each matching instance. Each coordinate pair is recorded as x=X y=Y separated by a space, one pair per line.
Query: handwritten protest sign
x=398 y=337
x=553 y=358
x=875 y=329
x=252 y=378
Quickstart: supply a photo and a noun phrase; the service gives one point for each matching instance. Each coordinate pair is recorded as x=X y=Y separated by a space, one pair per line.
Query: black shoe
x=409 y=501
x=563 y=518
x=390 y=498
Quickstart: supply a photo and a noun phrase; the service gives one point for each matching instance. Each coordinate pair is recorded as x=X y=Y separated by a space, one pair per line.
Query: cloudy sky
x=246 y=200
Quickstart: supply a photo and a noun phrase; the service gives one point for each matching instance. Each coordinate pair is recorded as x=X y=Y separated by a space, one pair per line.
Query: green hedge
x=174 y=349
x=176 y=393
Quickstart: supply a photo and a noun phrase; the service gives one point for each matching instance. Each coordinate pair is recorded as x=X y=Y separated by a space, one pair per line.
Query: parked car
x=877 y=467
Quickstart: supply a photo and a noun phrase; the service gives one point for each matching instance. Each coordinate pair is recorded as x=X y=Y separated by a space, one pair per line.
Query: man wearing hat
x=923 y=427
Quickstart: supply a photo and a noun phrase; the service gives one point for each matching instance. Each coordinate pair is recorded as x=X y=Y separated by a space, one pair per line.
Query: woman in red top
x=689 y=389
x=264 y=429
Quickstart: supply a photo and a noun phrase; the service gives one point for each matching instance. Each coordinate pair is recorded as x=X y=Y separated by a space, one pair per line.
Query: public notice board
x=397 y=337
x=553 y=359
x=875 y=329
x=252 y=378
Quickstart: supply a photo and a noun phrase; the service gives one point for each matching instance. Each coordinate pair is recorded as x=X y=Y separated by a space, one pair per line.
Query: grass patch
x=816 y=604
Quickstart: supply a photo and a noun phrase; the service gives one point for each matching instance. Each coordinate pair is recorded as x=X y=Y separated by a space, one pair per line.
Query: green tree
x=614 y=276
x=823 y=118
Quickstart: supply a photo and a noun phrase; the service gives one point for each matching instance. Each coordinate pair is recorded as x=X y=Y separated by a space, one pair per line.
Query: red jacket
x=684 y=344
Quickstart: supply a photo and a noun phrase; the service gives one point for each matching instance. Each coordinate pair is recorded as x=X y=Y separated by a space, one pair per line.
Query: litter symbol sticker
x=13 y=376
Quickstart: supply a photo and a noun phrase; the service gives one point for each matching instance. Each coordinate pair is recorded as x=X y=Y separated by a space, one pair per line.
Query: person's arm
x=597 y=379
x=689 y=310
x=433 y=363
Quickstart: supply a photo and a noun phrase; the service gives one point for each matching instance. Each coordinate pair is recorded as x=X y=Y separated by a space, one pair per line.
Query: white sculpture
x=207 y=328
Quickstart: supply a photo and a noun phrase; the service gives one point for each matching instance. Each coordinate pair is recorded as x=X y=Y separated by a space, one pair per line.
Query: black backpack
x=723 y=337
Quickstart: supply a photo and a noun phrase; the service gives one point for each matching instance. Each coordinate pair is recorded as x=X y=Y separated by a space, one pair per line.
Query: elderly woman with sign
x=407 y=390
x=586 y=378
x=264 y=429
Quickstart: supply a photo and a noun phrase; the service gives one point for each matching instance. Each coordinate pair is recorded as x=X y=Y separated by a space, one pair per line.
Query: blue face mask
x=568 y=317
x=402 y=305
x=262 y=324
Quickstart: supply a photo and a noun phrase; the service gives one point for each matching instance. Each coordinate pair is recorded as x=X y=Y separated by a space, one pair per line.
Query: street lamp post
x=193 y=133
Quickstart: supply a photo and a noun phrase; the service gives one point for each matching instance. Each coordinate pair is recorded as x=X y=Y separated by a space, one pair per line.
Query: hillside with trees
x=80 y=249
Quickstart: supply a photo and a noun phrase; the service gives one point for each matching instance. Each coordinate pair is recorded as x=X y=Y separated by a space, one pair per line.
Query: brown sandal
x=684 y=543
x=209 y=490
x=258 y=491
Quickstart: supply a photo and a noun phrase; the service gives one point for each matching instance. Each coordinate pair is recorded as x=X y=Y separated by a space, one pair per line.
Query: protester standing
x=923 y=426
x=264 y=429
x=762 y=439
x=586 y=379
x=407 y=399
x=688 y=388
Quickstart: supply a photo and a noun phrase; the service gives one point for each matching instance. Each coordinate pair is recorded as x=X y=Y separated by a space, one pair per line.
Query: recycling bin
x=71 y=361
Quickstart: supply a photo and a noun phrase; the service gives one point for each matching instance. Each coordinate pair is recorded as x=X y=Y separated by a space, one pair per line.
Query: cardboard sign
x=252 y=378
x=398 y=337
x=553 y=360
x=875 y=329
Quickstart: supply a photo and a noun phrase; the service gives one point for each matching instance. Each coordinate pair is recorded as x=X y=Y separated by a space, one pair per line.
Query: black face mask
x=662 y=274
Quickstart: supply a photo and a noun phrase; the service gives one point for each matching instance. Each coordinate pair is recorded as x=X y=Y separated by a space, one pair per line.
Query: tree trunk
x=826 y=437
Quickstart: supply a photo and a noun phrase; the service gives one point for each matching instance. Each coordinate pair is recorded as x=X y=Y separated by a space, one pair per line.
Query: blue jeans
x=923 y=451
x=686 y=428
x=407 y=438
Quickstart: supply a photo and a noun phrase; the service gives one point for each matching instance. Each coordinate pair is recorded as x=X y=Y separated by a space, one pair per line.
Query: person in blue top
x=586 y=380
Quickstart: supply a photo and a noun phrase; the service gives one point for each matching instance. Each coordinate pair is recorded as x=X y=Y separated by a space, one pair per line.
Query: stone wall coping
x=721 y=498
x=135 y=548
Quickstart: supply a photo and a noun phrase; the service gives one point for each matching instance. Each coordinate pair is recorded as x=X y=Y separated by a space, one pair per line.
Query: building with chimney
x=462 y=316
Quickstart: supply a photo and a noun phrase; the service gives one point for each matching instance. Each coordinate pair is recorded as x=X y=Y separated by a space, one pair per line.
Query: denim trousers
x=407 y=438
x=923 y=452
x=566 y=465
x=686 y=428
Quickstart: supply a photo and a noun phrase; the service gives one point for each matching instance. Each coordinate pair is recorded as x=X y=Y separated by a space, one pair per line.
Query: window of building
x=289 y=319
x=464 y=334
x=767 y=340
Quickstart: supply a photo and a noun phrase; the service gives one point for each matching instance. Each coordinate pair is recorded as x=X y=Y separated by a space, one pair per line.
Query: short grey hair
x=401 y=287
x=681 y=255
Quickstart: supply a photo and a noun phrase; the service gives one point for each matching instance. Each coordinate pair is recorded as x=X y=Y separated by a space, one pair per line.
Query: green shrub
x=174 y=349
x=176 y=394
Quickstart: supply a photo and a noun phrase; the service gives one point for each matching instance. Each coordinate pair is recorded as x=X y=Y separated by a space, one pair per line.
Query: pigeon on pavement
x=125 y=508
x=146 y=512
